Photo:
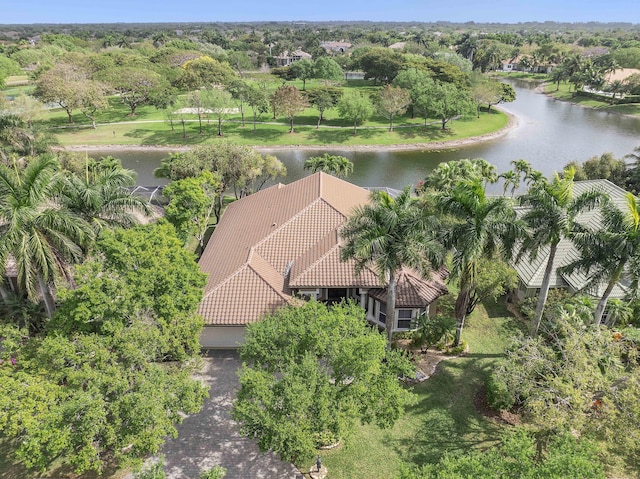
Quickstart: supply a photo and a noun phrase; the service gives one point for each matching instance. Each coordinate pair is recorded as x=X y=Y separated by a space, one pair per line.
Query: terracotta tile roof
x=280 y=238
x=412 y=291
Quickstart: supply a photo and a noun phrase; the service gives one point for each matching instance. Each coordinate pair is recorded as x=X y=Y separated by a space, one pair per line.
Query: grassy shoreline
x=563 y=94
x=150 y=134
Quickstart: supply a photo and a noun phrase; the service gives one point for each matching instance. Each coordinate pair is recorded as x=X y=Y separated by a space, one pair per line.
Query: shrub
x=216 y=472
x=431 y=330
x=498 y=394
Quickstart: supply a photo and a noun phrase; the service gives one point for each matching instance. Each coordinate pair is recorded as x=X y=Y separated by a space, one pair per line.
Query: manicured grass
x=442 y=420
x=521 y=75
x=277 y=133
x=564 y=94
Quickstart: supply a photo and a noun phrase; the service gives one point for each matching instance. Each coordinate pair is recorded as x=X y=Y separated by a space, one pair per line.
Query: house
x=285 y=59
x=335 y=47
x=531 y=271
x=398 y=45
x=281 y=245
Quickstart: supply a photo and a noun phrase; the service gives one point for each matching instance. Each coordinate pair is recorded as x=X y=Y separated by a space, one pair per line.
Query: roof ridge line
x=337 y=245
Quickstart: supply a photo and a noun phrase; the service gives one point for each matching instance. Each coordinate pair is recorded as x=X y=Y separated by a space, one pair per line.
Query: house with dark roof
x=531 y=271
x=282 y=245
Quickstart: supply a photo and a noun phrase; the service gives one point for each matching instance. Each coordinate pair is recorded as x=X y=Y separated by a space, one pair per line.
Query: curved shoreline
x=436 y=145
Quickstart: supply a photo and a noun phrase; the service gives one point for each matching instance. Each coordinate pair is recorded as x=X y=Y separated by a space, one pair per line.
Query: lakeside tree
x=92 y=99
x=388 y=233
x=241 y=93
x=323 y=99
x=288 y=100
x=219 y=103
x=380 y=64
x=443 y=101
x=196 y=102
x=302 y=70
x=258 y=101
x=356 y=107
x=298 y=395
x=393 y=101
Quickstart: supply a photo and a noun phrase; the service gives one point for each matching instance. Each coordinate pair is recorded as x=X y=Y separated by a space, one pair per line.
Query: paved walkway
x=211 y=437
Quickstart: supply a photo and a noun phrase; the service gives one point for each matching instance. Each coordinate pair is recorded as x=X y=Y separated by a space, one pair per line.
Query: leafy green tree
x=393 y=101
x=240 y=61
x=92 y=401
x=93 y=98
x=196 y=102
x=241 y=93
x=204 y=72
x=380 y=64
x=257 y=99
x=357 y=107
x=517 y=456
x=606 y=253
x=327 y=69
x=43 y=238
x=220 y=103
x=550 y=217
x=136 y=86
x=429 y=330
x=191 y=205
x=494 y=278
x=389 y=233
x=333 y=164
x=302 y=70
x=62 y=85
x=477 y=227
x=323 y=99
x=288 y=100
x=144 y=273
x=298 y=395
x=443 y=101
x=10 y=67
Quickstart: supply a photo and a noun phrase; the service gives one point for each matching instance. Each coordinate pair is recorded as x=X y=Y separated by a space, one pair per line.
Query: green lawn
x=444 y=418
x=333 y=131
x=564 y=94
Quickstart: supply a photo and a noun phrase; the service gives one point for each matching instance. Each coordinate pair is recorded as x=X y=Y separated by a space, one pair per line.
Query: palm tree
x=478 y=227
x=606 y=253
x=389 y=233
x=550 y=217
x=332 y=164
x=42 y=236
x=102 y=199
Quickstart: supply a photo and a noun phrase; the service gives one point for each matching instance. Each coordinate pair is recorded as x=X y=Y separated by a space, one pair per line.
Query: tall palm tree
x=41 y=235
x=389 y=233
x=477 y=227
x=607 y=252
x=550 y=217
x=102 y=199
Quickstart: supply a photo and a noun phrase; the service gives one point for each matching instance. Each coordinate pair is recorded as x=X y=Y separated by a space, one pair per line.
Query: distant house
x=531 y=271
x=336 y=47
x=285 y=59
x=398 y=45
x=282 y=245
x=510 y=65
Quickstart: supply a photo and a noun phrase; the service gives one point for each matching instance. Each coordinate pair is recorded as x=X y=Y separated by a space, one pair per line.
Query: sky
x=500 y=11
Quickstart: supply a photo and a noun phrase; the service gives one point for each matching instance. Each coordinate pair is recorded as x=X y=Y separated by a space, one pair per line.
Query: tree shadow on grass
x=448 y=420
x=428 y=134
x=340 y=135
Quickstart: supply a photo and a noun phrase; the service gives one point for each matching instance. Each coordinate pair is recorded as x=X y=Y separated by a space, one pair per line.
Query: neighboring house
x=10 y=275
x=285 y=59
x=398 y=45
x=510 y=65
x=280 y=245
x=335 y=47
x=531 y=272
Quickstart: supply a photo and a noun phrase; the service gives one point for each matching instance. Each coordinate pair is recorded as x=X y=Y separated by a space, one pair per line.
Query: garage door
x=222 y=337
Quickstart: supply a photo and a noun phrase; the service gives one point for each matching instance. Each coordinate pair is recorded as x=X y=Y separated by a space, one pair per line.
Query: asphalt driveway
x=211 y=437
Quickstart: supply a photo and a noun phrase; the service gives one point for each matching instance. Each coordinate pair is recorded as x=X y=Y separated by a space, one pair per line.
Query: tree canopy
x=298 y=395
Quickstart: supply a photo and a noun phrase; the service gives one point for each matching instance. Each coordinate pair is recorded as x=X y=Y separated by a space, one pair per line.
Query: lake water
x=549 y=134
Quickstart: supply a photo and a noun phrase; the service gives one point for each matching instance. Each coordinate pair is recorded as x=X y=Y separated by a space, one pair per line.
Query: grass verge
x=563 y=93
